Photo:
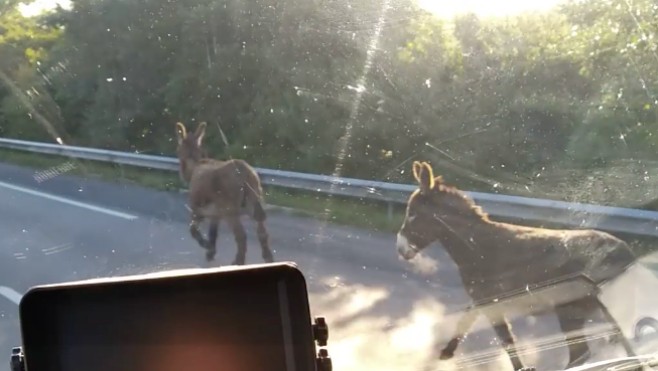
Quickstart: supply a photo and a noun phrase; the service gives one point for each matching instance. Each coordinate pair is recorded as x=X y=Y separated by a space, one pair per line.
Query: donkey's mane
x=460 y=197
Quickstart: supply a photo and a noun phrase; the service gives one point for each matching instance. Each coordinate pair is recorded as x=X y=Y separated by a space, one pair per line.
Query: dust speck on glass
x=468 y=184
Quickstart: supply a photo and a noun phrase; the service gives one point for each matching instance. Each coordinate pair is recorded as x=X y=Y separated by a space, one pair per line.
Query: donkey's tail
x=254 y=196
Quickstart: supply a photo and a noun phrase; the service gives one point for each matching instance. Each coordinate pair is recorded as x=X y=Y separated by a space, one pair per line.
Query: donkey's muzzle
x=405 y=249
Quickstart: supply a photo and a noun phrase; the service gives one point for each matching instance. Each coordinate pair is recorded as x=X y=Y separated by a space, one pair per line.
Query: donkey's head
x=189 y=148
x=437 y=212
x=418 y=229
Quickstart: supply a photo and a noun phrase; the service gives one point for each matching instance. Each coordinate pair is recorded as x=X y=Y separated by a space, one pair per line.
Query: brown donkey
x=495 y=259
x=220 y=190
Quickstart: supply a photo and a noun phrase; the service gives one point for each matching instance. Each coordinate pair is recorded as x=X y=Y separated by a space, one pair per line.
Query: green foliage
x=26 y=108
x=302 y=85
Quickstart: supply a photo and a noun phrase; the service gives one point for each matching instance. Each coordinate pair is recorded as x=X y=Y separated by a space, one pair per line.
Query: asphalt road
x=384 y=314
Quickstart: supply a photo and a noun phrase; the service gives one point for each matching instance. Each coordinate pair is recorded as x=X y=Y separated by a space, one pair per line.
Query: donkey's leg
x=463 y=326
x=196 y=233
x=572 y=317
x=503 y=330
x=258 y=214
x=240 y=239
x=213 y=231
x=263 y=240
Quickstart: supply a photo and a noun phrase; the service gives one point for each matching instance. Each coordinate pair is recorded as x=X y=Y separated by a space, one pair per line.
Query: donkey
x=496 y=258
x=220 y=190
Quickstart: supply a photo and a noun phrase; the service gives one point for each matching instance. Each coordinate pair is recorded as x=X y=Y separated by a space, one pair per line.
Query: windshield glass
x=437 y=169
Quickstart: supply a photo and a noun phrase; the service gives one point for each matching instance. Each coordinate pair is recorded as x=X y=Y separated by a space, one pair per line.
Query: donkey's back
x=602 y=255
x=526 y=255
x=221 y=187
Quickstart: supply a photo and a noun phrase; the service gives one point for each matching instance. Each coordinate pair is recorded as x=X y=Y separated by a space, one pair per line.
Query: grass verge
x=339 y=210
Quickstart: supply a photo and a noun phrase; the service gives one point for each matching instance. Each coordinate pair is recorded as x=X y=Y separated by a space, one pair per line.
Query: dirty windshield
x=464 y=184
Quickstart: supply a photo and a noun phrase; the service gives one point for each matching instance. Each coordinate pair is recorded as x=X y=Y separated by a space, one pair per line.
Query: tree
x=26 y=109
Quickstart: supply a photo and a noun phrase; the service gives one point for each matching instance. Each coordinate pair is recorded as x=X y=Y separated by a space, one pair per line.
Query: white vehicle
x=631 y=305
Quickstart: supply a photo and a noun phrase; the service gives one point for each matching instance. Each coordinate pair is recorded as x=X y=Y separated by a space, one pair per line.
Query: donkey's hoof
x=446 y=354
x=238 y=262
x=268 y=258
x=210 y=255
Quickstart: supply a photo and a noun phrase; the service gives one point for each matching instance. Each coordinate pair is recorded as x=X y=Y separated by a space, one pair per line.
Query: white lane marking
x=83 y=205
x=10 y=294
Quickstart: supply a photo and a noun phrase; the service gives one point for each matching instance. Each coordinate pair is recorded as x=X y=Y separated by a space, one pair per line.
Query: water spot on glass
x=109 y=79
x=359 y=88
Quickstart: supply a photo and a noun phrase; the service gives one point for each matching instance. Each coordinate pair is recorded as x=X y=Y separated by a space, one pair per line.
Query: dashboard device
x=234 y=319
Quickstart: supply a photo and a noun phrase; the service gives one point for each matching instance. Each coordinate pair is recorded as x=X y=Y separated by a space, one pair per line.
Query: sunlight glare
x=31 y=9
x=362 y=337
x=485 y=8
x=416 y=332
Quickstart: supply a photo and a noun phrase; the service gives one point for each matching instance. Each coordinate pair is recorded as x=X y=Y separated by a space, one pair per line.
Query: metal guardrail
x=574 y=215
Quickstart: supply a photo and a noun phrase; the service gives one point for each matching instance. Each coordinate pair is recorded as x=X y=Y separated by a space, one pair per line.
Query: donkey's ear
x=181 y=133
x=200 y=132
x=416 y=170
x=426 y=178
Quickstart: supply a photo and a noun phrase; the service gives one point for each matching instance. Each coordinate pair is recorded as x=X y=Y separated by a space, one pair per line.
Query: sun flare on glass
x=36 y=7
x=485 y=8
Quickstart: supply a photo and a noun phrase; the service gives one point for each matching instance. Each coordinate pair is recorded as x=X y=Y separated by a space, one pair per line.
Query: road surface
x=384 y=314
